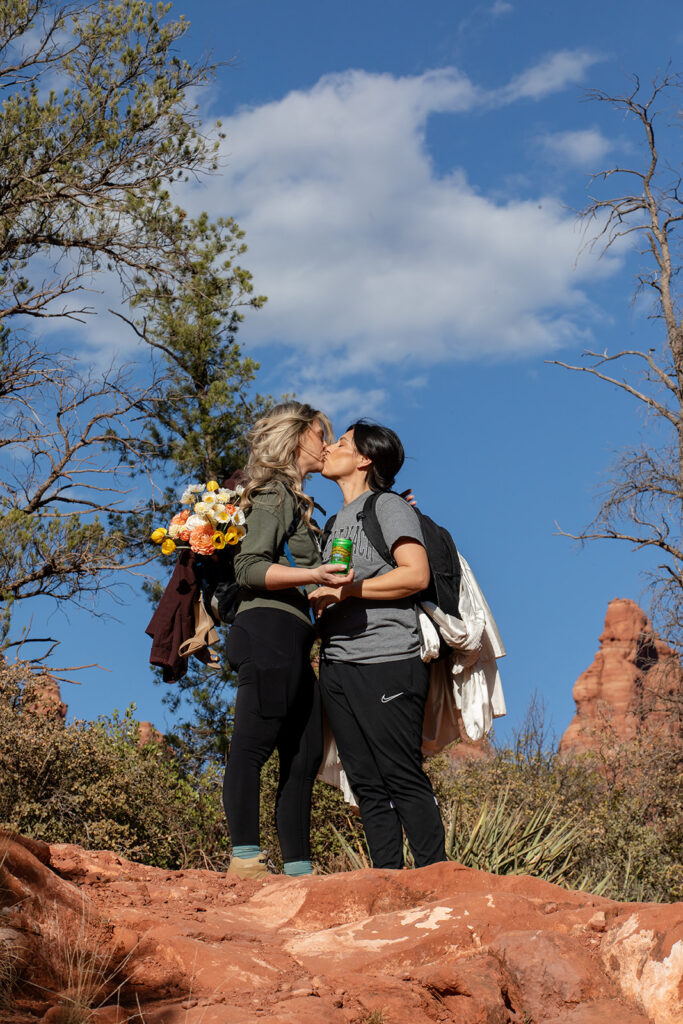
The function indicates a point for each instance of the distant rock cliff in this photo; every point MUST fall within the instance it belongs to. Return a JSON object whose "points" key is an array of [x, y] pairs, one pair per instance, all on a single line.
{"points": [[635, 681]]}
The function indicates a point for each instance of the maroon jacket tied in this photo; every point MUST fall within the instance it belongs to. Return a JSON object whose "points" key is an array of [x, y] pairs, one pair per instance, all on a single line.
{"points": [[173, 621]]}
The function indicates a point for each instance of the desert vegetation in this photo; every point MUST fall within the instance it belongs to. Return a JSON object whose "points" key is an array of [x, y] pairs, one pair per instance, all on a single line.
{"points": [[610, 823]]}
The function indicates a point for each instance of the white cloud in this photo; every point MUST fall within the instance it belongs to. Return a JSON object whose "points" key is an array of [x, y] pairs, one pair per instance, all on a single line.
{"points": [[583, 148], [352, 402], [501, 7], [368, 257], [372, 260], [553, 73]]}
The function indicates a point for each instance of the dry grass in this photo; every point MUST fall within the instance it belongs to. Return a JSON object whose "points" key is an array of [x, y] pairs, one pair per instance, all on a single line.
{"points": [[88, 974]]}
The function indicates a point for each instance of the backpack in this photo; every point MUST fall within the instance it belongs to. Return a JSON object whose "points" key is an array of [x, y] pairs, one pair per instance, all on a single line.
{"points": [[216, 577], [443, 589]]}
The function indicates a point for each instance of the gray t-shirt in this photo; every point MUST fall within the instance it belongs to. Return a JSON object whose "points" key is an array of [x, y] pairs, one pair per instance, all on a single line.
{"points": [[363, 631]]}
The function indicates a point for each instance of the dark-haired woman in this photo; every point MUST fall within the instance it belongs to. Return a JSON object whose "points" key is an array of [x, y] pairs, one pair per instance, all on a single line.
{"points": [[373, 682]]}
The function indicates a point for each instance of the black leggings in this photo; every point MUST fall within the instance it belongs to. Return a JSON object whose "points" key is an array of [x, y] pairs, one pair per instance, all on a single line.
{"points": [[277, 705]]}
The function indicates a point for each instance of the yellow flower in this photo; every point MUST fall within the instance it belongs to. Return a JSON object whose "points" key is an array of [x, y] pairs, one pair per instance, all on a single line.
{"points": [[218, 540], [232, 535], [212, 485], [168, 547], [159, 535]]}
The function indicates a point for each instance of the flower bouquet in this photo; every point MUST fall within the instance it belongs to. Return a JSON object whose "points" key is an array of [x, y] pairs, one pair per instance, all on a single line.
{"points": [[212, 521]]}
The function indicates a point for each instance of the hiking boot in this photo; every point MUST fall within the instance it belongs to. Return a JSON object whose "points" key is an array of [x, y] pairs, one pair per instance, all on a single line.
{"points": [[249, 867]]}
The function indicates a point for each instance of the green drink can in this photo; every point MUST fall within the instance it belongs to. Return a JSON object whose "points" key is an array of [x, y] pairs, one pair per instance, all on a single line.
{"points": [[341, 552]]}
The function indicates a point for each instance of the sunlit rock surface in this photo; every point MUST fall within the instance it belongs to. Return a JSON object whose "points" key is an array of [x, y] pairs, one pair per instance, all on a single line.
{"points": [[443, 943]]}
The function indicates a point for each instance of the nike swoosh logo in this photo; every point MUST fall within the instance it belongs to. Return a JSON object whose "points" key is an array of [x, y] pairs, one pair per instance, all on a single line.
{"points": [[385, 700]]}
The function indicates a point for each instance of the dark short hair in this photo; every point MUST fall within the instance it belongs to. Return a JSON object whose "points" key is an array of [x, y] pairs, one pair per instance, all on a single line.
{"points": [[384, 449]]}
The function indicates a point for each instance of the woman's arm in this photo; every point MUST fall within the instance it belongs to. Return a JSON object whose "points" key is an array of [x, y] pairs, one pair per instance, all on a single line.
{"points": [[255, 565], [282, 577], [409, 577]]}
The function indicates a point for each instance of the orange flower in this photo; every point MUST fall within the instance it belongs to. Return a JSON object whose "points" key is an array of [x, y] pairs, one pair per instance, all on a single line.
{"points": [[230, 509], [184, 535], [205, 527], [180, 518], [201, 541], [202, 545]]}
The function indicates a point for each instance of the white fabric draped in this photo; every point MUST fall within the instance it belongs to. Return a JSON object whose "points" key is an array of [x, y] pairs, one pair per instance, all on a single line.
{"points": [[464, 684]]}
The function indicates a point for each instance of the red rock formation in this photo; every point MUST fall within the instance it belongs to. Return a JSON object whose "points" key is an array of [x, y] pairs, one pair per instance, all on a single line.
{"points": [[41, 694], [635, 681], [443, 943], [148, 733]]}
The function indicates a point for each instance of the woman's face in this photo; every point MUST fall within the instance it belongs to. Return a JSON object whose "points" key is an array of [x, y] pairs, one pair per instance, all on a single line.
{"points": [[311, 451], [341, 458]]}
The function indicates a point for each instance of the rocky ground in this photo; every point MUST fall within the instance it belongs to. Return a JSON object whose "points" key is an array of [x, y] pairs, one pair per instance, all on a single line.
{"points": [[443, 943]]}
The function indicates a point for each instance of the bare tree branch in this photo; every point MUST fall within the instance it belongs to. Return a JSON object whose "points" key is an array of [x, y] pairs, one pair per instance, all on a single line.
{"points": [[643, 502]]}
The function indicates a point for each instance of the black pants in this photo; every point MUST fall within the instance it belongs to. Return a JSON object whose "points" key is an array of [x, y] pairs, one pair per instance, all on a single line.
{"points": [[376, 713], [277, 705]]}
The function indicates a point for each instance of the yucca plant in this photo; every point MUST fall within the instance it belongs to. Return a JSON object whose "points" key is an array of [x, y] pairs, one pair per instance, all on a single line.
{"points": [[504, 841], [358, 857]]}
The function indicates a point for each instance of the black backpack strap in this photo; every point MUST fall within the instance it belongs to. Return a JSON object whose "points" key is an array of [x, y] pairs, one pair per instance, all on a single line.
{"points": [[325, 535], [367, 517]]}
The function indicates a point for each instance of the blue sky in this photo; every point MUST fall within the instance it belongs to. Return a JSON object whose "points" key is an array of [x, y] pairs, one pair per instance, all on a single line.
{"points": [[407, 177]]}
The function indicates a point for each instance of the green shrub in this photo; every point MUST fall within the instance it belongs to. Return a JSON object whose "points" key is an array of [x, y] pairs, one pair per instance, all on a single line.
{"points": [[624, 806], [610, 822], [91, 783]]}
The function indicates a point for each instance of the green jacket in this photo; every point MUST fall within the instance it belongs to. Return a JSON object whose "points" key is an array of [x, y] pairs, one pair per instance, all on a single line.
{"points": [[268, 519]]}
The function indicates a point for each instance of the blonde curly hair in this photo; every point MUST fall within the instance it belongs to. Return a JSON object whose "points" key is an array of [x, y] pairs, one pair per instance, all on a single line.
{"points": [[275, 441]]}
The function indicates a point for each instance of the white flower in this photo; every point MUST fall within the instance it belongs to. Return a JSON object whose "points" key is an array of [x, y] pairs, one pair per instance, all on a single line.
{"points": [[238, 517], [209, 498], [194, 521], [239, 488], [241, 532], [196, 488], [174, 530], [201, 507], [187, 497], [223, 496], [220, 515]]}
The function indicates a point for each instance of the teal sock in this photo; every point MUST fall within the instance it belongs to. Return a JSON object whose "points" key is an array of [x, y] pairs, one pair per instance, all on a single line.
{"points": [[298, 867], [243, 852]]}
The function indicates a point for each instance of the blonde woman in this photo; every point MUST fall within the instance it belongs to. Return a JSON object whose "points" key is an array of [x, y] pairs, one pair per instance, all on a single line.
{"points": [[269, 643]]}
